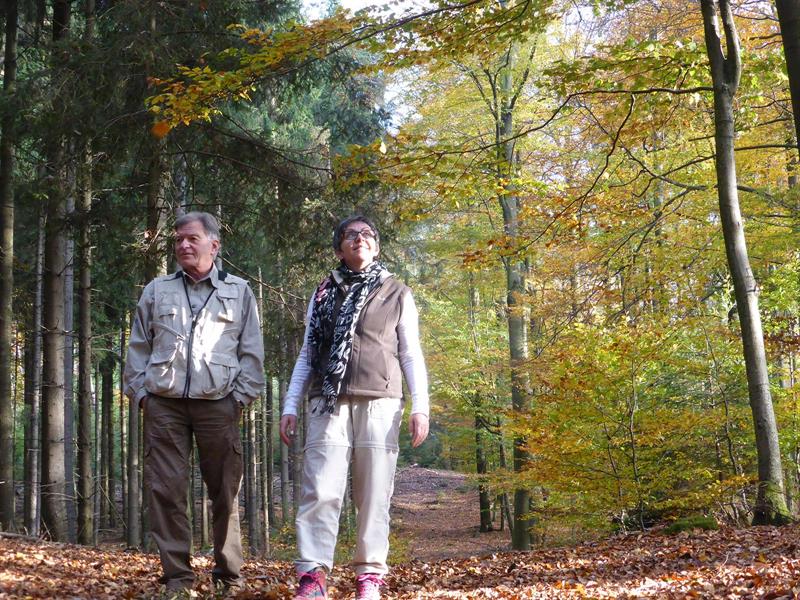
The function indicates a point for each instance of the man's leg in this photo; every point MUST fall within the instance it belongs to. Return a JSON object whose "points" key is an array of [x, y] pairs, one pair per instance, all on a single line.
{"points": [[166, 471], [326, 459], [376, 425], [216, 429]]}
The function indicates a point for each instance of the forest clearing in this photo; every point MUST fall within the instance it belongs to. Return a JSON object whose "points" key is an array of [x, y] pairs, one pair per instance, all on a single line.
{"points": [[759, 563]]}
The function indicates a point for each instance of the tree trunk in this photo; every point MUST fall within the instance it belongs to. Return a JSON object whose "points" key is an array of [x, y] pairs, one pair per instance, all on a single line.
{"points": [[267, 456], [481, 464], [53, 477], [123, 427], [516, 271], [54, 513], [266, 449], [107, 439], [253, 521], [725, 72], [156, 256], [789, 18], [481, 467], [133, 522], [85, 484], [69, 349], [7, 521], [33, 451]]}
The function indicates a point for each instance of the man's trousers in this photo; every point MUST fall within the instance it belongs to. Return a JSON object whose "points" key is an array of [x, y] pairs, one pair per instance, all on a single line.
{"points": [[169, 426]]}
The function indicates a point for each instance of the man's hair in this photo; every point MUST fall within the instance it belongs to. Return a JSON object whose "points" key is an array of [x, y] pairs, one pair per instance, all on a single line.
{"points": [[207, 220], [338, 233]]}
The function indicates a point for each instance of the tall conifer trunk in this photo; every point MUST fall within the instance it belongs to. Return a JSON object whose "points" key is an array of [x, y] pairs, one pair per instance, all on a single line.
{"points": [[69, 346], [725, 73], [7, 274], [53, 476], [33, 441], [85, 484], [85, 524]]}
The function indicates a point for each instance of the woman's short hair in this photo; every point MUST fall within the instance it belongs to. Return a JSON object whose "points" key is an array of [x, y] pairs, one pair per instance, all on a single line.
{"points": [[338, 233], [207, 220]]}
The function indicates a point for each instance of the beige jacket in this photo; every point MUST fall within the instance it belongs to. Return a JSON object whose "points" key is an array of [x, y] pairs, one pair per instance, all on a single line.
{"points": [[226, 346]]}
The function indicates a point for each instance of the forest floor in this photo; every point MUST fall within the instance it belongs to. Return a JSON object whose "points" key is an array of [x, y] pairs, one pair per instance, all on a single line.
{"points": [[434, 519]]}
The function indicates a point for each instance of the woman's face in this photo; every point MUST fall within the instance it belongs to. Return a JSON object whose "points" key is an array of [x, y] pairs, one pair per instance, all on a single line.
{"points": [[359, 248]]}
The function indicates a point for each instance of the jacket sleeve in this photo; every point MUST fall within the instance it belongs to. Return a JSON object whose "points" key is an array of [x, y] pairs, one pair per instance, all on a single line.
{"points": [[140, 346], [250, 382]]}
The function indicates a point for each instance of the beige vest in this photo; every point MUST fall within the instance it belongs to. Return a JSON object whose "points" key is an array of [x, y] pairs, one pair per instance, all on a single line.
{"points": [[373, 369]]}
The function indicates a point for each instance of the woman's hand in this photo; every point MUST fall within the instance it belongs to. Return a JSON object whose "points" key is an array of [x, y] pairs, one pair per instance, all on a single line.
{"points": [[288, 426], [418, 425]]}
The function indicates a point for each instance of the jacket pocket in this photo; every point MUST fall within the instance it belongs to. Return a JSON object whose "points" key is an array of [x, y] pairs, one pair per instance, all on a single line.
{"points": [[166, 324], [222, 370], [160, 375], [229, 304]]}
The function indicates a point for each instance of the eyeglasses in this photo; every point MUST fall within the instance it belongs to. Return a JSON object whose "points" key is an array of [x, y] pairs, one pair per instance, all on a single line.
{"points": [[351, 234]]}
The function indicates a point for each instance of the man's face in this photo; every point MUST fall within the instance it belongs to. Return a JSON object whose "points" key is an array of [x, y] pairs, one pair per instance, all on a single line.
{"points": [[359, 246], [194, 250]]}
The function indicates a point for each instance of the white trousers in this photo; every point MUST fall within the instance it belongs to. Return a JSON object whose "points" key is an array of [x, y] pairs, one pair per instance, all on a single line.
{"points": [[366, 430]]}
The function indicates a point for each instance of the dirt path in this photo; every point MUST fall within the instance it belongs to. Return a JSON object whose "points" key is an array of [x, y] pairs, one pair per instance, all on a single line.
{"points": [[436, 513]]}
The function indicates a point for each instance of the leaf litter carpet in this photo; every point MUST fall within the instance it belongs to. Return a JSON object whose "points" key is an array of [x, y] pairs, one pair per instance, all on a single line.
{"points": [[452, 561]]}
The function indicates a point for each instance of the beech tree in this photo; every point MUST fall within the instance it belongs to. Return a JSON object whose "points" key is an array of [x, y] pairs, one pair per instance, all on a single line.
{"points": [[726, 70]]}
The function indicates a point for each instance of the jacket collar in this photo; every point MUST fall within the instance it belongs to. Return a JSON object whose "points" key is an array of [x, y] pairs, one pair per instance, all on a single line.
{"points": [[215, 276]]}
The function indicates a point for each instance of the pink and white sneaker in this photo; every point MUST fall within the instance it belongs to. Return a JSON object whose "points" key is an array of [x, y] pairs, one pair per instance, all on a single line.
{"points": [[311, 586], [368, 586]]}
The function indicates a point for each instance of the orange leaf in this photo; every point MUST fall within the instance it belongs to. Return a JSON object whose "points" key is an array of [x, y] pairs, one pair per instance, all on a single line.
{"points": [[160, 129]]}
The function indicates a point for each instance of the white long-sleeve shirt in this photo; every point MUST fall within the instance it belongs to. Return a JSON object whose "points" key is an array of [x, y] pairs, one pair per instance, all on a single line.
{"points": [[409, 353]]}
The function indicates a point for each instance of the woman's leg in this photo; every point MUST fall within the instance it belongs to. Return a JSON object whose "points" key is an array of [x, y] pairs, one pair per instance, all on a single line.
{"points": [[326, 459], [376, 424]]}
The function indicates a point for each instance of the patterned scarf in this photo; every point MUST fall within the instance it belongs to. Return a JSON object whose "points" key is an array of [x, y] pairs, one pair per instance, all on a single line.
{"points": [[338, 336]]}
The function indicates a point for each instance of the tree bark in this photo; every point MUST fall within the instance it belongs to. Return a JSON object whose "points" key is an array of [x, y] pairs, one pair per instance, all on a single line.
{"points": [[107, 440], [156, 256], [133, 522], [516, 272], [770, 505], [482, 468], [789, 19], [267, 457], [123, 426], [253, 521], [33, 451], [481, 463], [266, 449], [7, 521], [85, 484], [69, 349], [53, 477]]}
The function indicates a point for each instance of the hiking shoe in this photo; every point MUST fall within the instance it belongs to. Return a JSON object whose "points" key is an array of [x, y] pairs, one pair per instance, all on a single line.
{"points": [[311, 586], [368, 586], [228, 588]]}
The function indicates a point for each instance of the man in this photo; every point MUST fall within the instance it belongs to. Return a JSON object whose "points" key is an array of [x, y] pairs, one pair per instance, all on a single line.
{"points": [[195, 358]]}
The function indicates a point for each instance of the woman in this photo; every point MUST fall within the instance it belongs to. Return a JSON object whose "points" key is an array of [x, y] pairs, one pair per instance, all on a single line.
{"points": [[362, 331]]}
